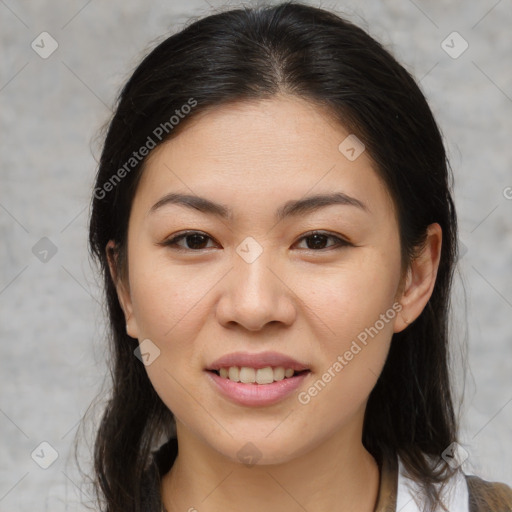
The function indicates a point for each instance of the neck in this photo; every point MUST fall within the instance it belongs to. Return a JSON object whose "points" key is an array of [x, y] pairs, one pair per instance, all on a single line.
{"points": [[339, 474]]}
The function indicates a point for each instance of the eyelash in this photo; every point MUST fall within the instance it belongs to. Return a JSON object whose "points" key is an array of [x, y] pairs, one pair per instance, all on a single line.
{"points": [[172, 242]]}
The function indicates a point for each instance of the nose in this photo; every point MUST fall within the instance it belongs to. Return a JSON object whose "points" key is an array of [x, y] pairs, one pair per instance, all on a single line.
{"points": [[255, 294]]}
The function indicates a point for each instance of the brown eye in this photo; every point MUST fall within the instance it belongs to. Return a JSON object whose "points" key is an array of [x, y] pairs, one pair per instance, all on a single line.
{"points": [[197, 241], [317, 241], [194, 241]]}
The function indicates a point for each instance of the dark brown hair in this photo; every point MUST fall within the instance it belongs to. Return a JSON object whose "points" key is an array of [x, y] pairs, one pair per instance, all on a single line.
{"points": [[251, 54]]}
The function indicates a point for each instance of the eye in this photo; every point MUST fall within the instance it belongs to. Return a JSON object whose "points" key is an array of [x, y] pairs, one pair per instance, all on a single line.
{"points": [[317, 240], [195, 240]]}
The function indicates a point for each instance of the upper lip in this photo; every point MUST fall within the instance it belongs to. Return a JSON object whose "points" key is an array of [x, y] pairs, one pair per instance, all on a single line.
{"points": [[258, 360]]}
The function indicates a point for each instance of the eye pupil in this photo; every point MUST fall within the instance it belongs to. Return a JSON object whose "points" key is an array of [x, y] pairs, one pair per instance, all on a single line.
{"points": [[319, 241], [197, 239]]}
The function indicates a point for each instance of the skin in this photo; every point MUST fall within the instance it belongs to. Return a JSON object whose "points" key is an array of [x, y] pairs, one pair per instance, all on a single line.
{"points": [[306, 302]]}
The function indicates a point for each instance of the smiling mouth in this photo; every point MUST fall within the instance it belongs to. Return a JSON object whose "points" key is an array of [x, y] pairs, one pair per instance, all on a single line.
{"points": [[260, 376]]}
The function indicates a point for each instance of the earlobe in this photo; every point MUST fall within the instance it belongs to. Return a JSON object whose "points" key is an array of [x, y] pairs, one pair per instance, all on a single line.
{"points": [[420, 279], [122, 288]]}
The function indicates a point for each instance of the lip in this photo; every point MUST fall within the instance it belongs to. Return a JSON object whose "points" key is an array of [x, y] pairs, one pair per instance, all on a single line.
{"points": [[256, 395], [258, 360]]}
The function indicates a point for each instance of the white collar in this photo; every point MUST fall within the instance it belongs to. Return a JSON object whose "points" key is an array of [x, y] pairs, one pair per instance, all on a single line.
{"points": [[455, 495]]}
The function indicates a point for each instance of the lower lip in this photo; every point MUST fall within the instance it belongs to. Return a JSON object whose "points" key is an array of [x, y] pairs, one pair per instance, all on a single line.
{"points": [[257, 394]]}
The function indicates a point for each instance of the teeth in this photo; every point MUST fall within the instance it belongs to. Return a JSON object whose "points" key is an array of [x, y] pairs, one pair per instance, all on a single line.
{"points": [[248, 375], [265, 375], [233, 373], [279, 373]]}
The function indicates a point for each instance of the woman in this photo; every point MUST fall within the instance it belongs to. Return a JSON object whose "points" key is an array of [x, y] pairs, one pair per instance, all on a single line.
{"points": [[273, 220]]}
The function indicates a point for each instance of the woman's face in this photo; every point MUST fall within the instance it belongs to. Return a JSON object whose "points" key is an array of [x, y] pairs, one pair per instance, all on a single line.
{"points": [[255, 279]]}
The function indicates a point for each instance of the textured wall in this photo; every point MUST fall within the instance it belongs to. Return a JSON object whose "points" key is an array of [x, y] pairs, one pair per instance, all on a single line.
{"points": [[52, 351]]}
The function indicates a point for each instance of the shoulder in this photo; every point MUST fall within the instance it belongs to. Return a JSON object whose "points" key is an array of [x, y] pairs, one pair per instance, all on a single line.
{"points": [[460, 493], [488, 496]]}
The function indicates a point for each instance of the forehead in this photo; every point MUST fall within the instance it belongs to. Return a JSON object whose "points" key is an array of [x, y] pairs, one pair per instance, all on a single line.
{"points": [[284, 146]]}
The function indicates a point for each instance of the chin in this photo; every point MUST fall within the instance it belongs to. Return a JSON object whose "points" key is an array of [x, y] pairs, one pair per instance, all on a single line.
{"points": [[258, 450]]}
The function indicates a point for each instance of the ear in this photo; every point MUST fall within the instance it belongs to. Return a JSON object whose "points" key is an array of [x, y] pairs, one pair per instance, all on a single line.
{"points": [[122, 287], [420, 279]]}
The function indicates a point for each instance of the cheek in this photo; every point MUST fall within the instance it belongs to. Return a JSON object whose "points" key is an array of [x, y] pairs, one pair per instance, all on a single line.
{"points": [[355, 326], [166, 298], [169, 305], [351, 296], [354, 310]]}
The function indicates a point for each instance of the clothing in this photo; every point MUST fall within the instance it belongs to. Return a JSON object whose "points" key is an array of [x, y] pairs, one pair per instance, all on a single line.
{"points": [[397, 492], [463, 493], [456, 495]]}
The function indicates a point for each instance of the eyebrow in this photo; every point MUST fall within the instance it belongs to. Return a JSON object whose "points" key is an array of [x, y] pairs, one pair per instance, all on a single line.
{"points": [[291, 208]]}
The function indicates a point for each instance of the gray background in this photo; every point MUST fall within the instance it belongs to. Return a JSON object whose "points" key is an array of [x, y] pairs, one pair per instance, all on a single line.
{"points": [[52, 347]]}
